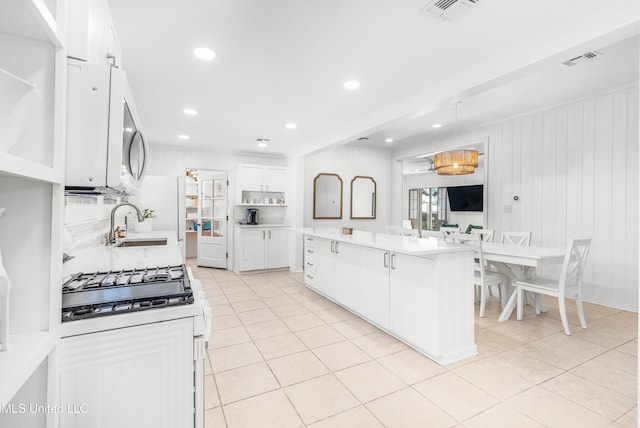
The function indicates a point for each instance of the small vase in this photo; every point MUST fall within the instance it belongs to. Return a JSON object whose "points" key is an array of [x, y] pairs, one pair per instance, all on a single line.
{"points": [[145, 226]]}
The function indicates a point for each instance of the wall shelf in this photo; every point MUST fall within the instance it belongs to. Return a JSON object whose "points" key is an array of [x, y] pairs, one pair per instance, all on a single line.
{"points": [[7, 76], [31, 19], [17, 166], [26, 352]]}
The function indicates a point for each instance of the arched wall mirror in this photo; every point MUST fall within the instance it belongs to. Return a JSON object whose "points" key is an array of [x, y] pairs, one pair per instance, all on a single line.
{"points": [[327, 196], [363, 197]]}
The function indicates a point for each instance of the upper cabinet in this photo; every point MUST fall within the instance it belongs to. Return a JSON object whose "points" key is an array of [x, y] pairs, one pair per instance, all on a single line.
{"points": [[92, 36], [255, 178]]}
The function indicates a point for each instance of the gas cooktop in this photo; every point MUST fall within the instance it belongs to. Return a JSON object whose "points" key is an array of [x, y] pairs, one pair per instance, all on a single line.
{"points": [[89, 295]]}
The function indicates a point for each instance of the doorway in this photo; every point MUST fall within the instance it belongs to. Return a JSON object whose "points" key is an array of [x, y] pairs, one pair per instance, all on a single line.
{"points": [[206, 219]]}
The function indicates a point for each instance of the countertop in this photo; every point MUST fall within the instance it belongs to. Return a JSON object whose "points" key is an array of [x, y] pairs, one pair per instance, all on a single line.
{"points": [[413, 246], [263, 226], [106, 258]]}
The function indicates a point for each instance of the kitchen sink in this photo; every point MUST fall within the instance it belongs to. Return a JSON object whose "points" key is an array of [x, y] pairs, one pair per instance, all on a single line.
{"points": [[142, 242]]}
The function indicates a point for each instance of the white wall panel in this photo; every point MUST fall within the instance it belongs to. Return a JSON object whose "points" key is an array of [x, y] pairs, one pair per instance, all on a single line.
{"points": [[575, 171], [576, 176]]}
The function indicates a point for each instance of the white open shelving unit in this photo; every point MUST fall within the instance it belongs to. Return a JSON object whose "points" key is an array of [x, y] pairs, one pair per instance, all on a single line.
{"points": [[32, 133]]}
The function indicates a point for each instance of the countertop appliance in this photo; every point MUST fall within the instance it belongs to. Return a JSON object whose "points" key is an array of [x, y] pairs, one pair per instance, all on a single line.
{"points": [[106, 148], [88, 295], [252, 216]]}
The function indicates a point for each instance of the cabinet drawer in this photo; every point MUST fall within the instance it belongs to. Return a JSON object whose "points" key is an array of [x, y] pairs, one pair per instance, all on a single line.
{"points": [[310, 278], [310, 243], [310, 264]]}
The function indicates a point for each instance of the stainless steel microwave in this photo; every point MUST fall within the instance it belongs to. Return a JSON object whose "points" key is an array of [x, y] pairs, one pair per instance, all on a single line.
{"points": [[106, 149]]}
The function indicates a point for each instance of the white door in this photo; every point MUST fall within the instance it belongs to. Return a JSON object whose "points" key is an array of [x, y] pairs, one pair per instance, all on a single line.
{"points": [[346, 274], [275, 180], [252, 179], [212, 219], [373, 284], [278, 243], [131, 377], [253, 247]]}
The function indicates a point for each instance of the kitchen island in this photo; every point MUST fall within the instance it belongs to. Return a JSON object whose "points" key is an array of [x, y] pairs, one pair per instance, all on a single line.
{"points": [[418, 290]]}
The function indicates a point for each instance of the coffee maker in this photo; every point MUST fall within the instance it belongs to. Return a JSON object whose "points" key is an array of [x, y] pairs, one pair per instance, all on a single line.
{"points": [[252, 216]]}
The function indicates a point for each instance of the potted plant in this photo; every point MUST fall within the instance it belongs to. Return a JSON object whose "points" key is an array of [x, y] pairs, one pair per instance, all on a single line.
{"points": [[147, 224]]}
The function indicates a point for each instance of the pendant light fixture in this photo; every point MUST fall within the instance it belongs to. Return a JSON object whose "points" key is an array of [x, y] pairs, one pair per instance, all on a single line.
{"points": [[456, 162]]}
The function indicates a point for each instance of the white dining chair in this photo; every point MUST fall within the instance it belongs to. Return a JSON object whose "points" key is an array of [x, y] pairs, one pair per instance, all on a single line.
{"points": [[448, 230], [486, 235], [516, 238], [483, 277], [569, 283]]}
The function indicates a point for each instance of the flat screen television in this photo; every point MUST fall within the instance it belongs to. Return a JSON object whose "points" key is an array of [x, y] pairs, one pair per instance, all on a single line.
{"points": [[465, 198]]}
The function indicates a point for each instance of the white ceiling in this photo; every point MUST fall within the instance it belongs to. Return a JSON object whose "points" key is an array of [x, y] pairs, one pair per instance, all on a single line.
{"points": [[283, 61]]}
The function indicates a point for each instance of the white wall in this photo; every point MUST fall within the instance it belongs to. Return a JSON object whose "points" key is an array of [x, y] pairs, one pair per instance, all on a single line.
{"points": [[575, 171], [349, 161]]}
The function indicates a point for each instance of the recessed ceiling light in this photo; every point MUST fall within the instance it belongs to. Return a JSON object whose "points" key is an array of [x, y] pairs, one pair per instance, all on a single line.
{"points": [[190, 112], [436, 125], [291, 126], [262, 144], [183, 137], [128, 129], [389, 140], [351, 84], [204, 53]]}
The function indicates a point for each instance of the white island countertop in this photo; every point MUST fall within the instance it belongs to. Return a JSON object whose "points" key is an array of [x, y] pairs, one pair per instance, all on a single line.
{"points": [[413, 246]]}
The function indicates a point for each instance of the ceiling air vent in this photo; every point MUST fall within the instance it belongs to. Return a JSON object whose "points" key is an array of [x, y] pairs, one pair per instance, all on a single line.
{"points": [[447, 9], [582, 58]]}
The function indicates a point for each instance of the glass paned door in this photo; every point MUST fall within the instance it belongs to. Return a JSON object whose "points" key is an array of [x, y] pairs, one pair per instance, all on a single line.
{"points": [[212, 218]]}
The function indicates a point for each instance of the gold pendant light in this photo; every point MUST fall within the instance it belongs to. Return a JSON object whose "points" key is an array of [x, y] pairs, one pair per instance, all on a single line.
{"points": [[456, 162]]}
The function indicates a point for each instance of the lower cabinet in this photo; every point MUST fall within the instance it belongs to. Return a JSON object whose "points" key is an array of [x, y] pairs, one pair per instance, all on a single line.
{"points": [[140, 376], [427, 301], [261, 248], [413, 305], [373, 286]]}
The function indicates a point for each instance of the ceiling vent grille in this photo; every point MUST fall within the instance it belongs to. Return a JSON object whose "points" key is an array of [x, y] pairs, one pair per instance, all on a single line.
{"points": [[582, 58], [447, 9]]}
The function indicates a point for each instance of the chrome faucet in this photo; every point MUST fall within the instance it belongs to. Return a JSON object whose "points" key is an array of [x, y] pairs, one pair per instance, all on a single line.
{"points": [[112, 234]]}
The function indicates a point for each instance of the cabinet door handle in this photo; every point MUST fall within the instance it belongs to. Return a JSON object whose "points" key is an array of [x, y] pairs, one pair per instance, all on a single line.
{"points": [[337, 247], [393, 261], [386, 259], [269, 234], [309, 264], [310, 251], [332, 243], [263, 234]]}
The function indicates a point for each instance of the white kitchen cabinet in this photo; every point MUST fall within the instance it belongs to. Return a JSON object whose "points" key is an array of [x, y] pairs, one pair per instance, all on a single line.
{"points": [[413, 304], [345, 274], [336, 271], [255, 178], [32, 153], [147, 380], [261, 247], [373, 286], [92, 36], [425, 299]]}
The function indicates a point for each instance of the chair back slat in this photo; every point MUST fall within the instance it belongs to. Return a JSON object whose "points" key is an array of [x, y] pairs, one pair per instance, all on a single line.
{"points": [[472, 239], [486, 235], [574, 262], [516, 238]]}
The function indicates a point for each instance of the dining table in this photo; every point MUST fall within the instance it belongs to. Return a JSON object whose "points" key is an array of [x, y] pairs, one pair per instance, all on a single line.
{"points": [[519, 262]]}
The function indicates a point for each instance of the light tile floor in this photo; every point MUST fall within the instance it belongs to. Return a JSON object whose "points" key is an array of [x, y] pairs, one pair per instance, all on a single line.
{"points": [[282, 356]]}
